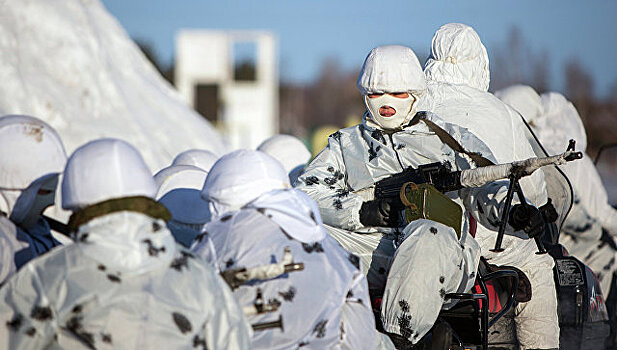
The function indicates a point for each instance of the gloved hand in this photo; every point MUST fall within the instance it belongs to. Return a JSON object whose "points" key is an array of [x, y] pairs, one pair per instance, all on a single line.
{"points": [[527, 218], [381, 212], [549, 212]]}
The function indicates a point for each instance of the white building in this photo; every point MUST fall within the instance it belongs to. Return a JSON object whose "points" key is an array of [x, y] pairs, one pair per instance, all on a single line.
{"points": [[241, 100]]}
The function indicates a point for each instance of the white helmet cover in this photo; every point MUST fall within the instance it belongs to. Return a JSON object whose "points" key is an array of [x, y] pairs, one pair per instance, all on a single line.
{"points": [[288, 150], [196, 157], [240, 177], [30, 152], [458, 57], [180, 192], [390, 69], [523, 99], [105, 169]]}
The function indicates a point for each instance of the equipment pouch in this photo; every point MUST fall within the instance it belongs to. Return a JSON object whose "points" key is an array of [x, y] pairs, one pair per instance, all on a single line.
{"points": [[424, 201]]}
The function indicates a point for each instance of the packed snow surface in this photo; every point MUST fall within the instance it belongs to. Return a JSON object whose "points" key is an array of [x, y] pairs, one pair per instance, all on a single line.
{"points": [[70, 63]]}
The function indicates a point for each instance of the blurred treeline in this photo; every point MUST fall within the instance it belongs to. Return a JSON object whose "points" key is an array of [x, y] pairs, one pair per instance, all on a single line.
{"points": [[332, 98]]}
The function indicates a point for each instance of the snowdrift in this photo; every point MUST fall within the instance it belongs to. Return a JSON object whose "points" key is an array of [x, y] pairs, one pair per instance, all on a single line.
{"points": [[70, 63]]}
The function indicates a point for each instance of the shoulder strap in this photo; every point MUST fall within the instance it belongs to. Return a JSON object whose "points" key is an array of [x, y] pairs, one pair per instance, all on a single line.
{"points": [[450, 141]]}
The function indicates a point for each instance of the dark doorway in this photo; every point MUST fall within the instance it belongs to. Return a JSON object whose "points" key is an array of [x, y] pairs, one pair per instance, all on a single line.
{"points": [[207, 101]]}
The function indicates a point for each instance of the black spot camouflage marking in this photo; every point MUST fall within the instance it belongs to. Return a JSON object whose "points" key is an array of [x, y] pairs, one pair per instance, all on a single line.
{"points": [[225, 218], [181, 261], [31, 332], [152, 250], [433, 230], [584, 228], [102, 267], [15, 323], [75, 327], [83, 238], [197, 341], [462, 247], [331, 187], [354, 260], [330, 169], [442, 279], [609, 265], [338, 205], [591, 253], [229, 263], [274, 302], [342, 193], [77, 309], [404, 320], [289, 294], [183, 323], [311, 180], [320, 329], [600, 276], [400, 146], [41, 313], [114, 278], [156, 227], [404, 305], [330, 180], [442, 293], [315, 247], [460, 265], [472, 275], [372, 152], [378, 135], [302, 344], [106, 338], [342, 330], [56, 336], [336, 136], [349, 294]]}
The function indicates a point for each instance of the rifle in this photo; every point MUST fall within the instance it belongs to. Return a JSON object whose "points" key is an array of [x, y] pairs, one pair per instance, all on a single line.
{"points": [[440, 177], [240, 276]]}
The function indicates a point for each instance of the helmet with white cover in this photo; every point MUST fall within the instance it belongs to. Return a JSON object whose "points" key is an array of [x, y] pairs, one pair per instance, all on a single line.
{"points": [[289, 151], [240, 177], [196, 157], [458, 57], [179, 190], [105, 169], [31, 158], [524, 99], [391, 69]]}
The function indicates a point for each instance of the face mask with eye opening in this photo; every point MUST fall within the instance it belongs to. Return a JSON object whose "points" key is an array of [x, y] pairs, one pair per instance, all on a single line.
{"points": [[404, 107]]}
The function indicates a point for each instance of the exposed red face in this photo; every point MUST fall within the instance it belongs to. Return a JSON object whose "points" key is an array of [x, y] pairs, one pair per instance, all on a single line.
{"points": [[387, 111]]}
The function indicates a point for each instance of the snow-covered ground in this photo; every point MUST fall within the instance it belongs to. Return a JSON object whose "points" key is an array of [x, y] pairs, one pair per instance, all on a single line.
{"points": [[71, 64]]}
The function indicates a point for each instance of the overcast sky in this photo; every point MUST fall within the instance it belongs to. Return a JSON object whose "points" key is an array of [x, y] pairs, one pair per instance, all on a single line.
{"points": [[311, 31]]}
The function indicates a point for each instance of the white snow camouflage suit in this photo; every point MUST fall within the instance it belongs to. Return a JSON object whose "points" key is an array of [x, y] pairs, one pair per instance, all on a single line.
{"points": [[458, 74]]}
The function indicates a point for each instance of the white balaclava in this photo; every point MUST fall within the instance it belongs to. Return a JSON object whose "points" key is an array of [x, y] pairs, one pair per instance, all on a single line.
{"points": [[559, 123], [240, 177], [196, 157], [180, 192], [458, 57], [523, 99], [31, 158], [289, 151], [391, 69], [105, 169]]}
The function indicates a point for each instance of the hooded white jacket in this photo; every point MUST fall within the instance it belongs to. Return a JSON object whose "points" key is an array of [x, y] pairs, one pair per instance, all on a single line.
{"points": [[31, 155], [323, 306], [459, 70], [124, 284]]}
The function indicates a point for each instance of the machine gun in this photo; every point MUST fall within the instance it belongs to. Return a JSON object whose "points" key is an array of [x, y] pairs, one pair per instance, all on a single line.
{"points": [[419, 188]]}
